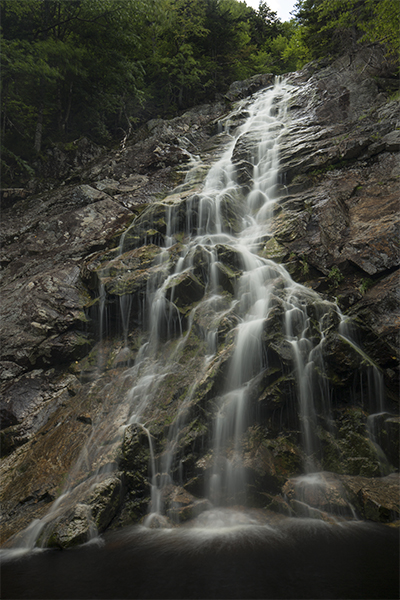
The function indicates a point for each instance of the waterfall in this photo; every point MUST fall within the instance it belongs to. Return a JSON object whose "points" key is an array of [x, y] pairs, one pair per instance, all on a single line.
{"points": [[240, 301], [261, 286]]}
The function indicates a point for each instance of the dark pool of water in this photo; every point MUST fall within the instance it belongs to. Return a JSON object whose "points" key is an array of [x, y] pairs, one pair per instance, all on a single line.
{"points": [[294, 559]]}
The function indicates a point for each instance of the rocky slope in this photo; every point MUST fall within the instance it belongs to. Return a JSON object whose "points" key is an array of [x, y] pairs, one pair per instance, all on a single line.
{"points": [[335, 228]]}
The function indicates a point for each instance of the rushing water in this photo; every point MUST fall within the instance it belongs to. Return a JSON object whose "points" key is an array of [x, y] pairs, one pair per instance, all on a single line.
{"points": [[261, 287]]}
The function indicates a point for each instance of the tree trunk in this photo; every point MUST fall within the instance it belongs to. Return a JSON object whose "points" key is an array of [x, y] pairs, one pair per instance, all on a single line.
{"points": [[68, 110], [39, 130]]}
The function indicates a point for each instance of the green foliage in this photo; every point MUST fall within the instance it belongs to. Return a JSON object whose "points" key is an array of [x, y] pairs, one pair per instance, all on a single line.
{"points": [[296, 53], [13, 166], [335, 276], [94, 68], [304, 265], [366, 284], [68, 69], [331, 27], [384, 26]]}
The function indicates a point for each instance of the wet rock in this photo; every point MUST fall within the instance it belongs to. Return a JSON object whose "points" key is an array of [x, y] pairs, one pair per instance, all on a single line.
{"points": [[130, 272], [309, 495], [375, 499], [150, 227], [53, 439], [182, 506], [278, 504], [73, 530], [84, 419], [274, 251], [243, 159], [341, 358], [105, 501], [230, 257], [226, 277], [268, 462], [329, 214], [134, 463], [10, 439], [241, 89], [385, 431], [156, 521], [351, 452], [184, 289], [88, 517], [378, 307], [208, 319], [30, 401], [42, 307]]}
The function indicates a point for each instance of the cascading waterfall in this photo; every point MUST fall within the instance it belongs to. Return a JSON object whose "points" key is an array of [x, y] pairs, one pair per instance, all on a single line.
{"points": [[256, 292], [262, 292], [266, 122]]}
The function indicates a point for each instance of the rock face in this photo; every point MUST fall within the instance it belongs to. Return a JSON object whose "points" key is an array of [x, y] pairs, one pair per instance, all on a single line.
{"points": [[337, 170], [81, 262]]}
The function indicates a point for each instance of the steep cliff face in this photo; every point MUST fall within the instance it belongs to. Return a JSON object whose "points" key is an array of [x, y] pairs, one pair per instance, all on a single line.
{"points": [[74, 319], [339, 218]]}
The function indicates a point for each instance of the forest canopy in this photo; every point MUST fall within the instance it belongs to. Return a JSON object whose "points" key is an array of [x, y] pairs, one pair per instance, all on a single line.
{"points": [[99, 68]]}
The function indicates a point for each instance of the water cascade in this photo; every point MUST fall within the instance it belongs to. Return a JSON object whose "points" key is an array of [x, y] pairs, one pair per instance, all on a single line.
{"points": [[225, 334]]}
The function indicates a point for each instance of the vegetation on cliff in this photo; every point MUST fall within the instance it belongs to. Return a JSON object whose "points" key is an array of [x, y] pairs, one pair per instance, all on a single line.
{"points": [[98, 68]]}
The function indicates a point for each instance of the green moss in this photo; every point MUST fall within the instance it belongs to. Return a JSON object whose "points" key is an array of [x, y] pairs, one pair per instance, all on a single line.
{"points": [[274, 251], [365, 285], [351, 452], [90, 360], [71, 146], [304, 265], [335, 276]]}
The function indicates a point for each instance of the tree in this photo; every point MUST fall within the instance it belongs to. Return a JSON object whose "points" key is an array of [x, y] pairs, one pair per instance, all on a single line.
{"points": [[338, 26], [68, 69], [94, 67], [384, 25]]}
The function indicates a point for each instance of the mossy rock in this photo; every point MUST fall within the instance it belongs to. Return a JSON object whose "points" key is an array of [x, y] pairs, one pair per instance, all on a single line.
{"points": [[342, 360], [232, 213], [273, 250], [105, 501], [184, 289], [130, 272], [230, 257], [289, 226], [385, 428], [286, 455], [216, 316], [376, 498], [135, 451], [133, 510], [72, 529], [149, 227], [351, 452], [277, 401]]}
